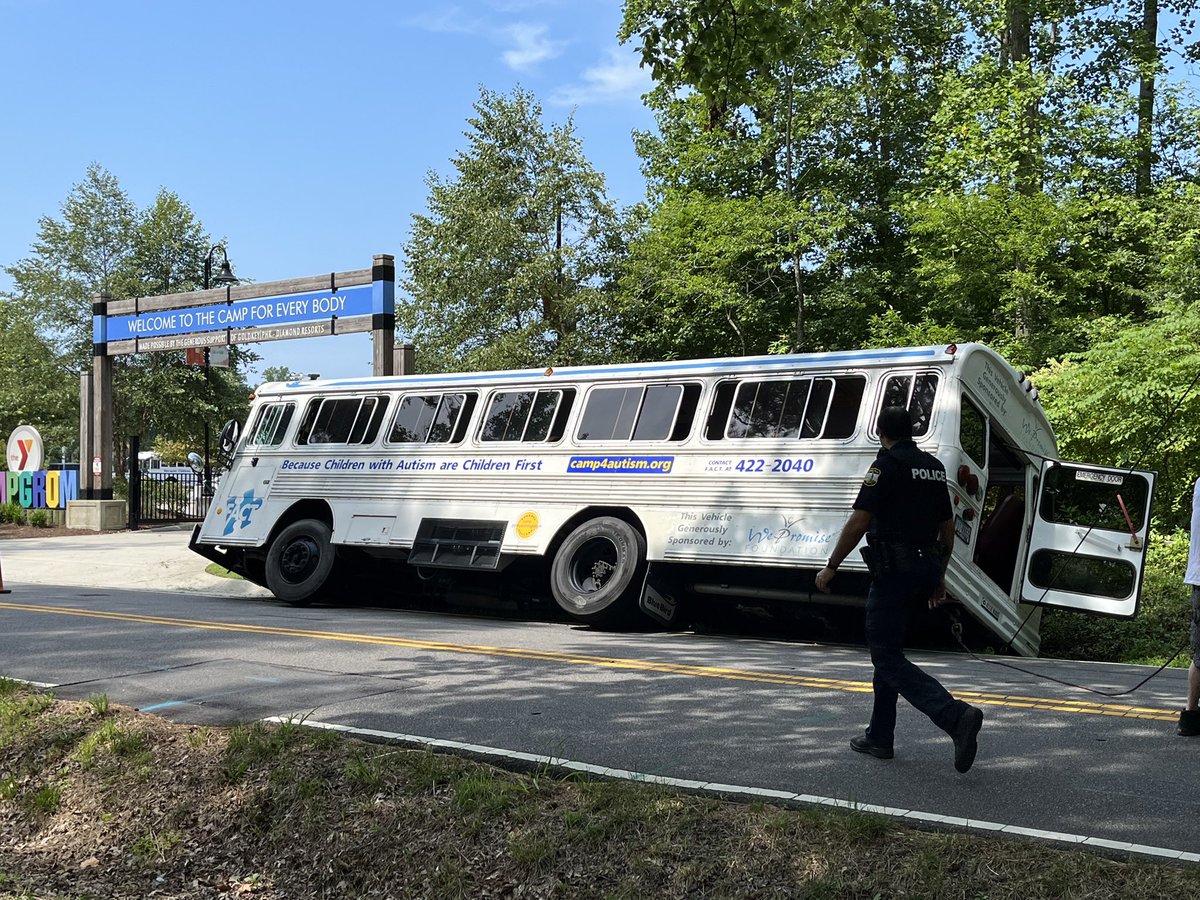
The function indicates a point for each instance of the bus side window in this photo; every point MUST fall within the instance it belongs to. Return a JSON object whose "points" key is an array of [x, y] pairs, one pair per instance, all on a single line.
{"points": [[659, 406], [464, 417], [432, 418], [973, 433], [372, 430], [648, 413], [808, 408], [687, 412], [306, 423], [342, 421], [526, 415], [844, 406], [817, 408], [718, 415], [414, 416], [559, 428], [541, 416], [769, 408], [448, 410], [915, 393], [271, 425]]}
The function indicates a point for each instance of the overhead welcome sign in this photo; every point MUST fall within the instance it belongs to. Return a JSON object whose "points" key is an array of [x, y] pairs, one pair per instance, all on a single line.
{"points": [[313, 306], [260, 312], [320, 305], [26, 483]]}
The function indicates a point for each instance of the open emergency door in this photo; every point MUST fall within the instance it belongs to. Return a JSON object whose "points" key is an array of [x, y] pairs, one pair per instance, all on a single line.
{"points": [[1088, 544]]}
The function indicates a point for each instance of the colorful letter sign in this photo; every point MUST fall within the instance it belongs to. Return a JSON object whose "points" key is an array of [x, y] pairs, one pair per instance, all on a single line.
{"points": [[26, 484]]}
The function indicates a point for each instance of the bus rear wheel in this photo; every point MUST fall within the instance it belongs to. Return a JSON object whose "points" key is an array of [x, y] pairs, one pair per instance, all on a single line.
{"points": [[595, 573], [300, 561]]}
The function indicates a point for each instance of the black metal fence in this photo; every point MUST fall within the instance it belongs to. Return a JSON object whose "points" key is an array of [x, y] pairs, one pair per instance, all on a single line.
{"points": [[164, 496]]}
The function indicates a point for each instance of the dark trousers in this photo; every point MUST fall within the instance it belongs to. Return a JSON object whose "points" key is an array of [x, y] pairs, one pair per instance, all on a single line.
{"points": [[889, 606]]}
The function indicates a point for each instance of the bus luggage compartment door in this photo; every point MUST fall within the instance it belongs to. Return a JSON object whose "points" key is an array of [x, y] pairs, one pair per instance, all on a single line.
{"points": [[1087, 549]]}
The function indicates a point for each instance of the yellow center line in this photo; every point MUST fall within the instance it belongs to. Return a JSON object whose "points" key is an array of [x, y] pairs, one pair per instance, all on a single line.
{"points": [[1013, 701]]}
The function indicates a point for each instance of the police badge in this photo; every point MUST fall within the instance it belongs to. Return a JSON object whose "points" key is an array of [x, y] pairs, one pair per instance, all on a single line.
{"points": [[872, 478]]}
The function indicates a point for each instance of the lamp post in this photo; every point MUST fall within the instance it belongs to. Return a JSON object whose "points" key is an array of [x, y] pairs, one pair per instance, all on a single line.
{"points": [[224, 277]]}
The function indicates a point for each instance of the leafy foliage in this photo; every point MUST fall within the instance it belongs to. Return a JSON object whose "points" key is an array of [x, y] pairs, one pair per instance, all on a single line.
{"points": [[103, 245], [513, 253], [280, 373], [37, 385], [707, 277], [1133, 399]]}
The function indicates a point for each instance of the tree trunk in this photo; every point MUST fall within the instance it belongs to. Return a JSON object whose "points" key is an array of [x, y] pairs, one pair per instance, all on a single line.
{"points": [[797, 274], [1146, 44], [1015, 52]]}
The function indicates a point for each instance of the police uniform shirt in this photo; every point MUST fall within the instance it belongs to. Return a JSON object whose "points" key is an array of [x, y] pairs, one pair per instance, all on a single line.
{"points": [[905, 491]]}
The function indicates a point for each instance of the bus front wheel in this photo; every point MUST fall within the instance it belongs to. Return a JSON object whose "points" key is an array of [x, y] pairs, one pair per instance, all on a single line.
{"points": [[299, 561], [594, 576]]}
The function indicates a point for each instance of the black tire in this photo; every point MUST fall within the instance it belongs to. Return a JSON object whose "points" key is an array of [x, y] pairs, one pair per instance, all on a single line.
{"points": [[597, 572], [300, 561]]}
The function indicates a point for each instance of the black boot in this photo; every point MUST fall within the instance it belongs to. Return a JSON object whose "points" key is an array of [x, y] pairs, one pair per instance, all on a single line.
{"points": [[966, 737], [1189, 722]]}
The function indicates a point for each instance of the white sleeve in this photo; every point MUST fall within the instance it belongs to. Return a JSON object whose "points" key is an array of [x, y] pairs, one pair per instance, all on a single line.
{"points": [[1193, 565]]}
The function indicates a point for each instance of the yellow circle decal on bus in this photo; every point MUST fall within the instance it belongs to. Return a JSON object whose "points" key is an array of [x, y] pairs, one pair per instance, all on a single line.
{"points": [[527, 524]]}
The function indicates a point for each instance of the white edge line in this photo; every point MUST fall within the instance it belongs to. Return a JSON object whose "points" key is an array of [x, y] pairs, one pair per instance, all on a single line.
{"points": [[36, 684], [913, 815]]}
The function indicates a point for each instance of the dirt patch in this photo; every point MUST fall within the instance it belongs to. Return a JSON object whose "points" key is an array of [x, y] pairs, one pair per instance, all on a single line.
{"points": [[9, 531]]}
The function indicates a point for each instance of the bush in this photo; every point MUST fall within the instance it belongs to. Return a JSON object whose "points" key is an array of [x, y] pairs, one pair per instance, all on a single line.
{"points": [[39, 518], [12, 511], [1159, 629], [172, 453]]}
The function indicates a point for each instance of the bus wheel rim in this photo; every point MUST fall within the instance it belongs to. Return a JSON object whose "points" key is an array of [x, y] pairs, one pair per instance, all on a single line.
{"points": [[594, 565], [299, 560]]}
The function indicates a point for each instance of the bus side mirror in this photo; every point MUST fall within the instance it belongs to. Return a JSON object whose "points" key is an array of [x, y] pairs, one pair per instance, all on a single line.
{"points": [[230, 432], [196, 462]]}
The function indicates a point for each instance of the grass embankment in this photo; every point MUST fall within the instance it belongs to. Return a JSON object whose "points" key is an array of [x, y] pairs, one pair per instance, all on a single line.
{"points": [[221, 572], [98, 801]]}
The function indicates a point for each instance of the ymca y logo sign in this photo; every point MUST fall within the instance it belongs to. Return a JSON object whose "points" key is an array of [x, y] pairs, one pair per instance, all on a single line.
{"points": [[24, 449]]}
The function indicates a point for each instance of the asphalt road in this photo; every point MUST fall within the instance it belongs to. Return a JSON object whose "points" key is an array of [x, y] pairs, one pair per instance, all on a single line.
{"points": [[708, 710]]}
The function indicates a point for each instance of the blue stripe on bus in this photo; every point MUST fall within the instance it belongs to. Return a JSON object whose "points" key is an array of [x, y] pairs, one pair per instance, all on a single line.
{"points": [[757, 362]]}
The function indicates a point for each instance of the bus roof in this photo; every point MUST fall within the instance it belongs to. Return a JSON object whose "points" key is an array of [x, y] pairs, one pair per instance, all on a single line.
{"points": [[870, 358]]}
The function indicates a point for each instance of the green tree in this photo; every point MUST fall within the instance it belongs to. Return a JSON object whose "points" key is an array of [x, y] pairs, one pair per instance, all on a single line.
{"points": [[515, 249], [824, 105], [36, 387], [1024, 152], [280, 373], [1132, 398], [102, 244], [710, 276], [75, 258]]}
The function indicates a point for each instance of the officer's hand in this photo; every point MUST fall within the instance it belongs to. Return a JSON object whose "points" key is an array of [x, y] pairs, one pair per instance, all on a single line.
{"points": [[938, 597], [823, 578]]}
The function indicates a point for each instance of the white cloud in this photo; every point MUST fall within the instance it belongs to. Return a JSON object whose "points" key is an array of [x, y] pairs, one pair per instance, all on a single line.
{"points": [[530, 46], [619, 77], [451, 20], [520, 6]]}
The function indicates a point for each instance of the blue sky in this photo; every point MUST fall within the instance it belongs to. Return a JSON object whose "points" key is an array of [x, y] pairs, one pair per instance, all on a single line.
{"points": [[300, 132]]}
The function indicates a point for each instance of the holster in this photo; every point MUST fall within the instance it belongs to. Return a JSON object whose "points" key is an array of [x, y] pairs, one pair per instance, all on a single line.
{"points": [[894, 559]]}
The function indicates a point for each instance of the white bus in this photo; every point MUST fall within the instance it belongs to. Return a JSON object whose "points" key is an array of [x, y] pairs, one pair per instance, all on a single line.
{"points": [[633, 488]]}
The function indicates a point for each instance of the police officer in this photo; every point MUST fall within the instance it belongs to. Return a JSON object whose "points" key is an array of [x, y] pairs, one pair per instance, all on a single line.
{"points": [[904, 509]]}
